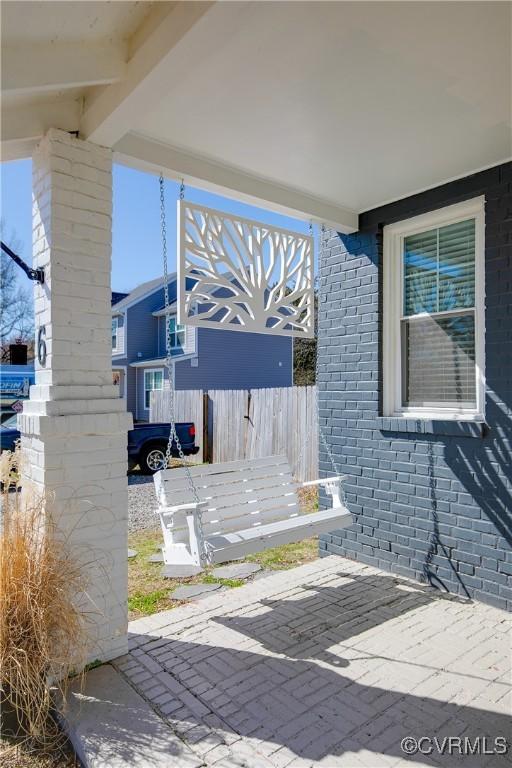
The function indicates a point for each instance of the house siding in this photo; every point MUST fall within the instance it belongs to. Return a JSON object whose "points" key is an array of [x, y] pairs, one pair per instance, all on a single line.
{"points": [[431, 500], [236, 360], [142, 333], [142, 343], [225, 359]]}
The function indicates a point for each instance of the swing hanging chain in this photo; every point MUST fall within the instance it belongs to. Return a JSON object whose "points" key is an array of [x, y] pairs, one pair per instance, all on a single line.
{"points": [[320, 430], [317, 369], [173, 434]]}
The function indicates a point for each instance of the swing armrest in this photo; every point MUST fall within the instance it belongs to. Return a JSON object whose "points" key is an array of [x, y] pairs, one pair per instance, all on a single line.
{"points": [[324, 480], [193, 506]]}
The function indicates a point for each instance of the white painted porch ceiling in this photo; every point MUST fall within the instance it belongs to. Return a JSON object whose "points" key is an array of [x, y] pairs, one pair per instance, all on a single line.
{"points": [[346, 105]]}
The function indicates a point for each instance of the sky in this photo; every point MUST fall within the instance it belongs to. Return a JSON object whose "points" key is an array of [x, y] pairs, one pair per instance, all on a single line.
{"points": [[136, 241]]}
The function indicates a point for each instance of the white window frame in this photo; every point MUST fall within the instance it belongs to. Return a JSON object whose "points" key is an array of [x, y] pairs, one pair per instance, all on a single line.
{"points": [[116, 321], [394, 235], [124, 371], [182, 330], [151, 370]]}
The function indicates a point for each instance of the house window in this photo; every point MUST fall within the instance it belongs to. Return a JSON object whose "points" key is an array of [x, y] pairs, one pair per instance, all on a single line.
{"points": [[153, 379], [115, 323], [434, 314], [176, 333]]}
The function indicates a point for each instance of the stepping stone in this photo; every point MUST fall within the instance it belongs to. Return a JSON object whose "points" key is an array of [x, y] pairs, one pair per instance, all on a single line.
{"points": [[132, 553], [264, 574], [236, 571], [156, 558], [193, 591], [179, 571]]}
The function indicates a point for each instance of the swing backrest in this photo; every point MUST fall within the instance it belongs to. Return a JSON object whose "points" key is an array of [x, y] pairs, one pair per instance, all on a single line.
{"points": [[237, 494]]}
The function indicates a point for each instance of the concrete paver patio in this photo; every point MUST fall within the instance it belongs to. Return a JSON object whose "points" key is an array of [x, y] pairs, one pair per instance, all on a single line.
{"points": [[331, 664]]}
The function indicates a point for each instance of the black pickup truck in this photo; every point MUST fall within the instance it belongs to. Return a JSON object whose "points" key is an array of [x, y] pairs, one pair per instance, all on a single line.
{"points": [[147, 443]]}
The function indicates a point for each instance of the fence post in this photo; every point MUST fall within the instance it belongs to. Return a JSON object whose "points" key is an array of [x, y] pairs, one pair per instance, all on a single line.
{"points": [[247, 423], [206, 431]]}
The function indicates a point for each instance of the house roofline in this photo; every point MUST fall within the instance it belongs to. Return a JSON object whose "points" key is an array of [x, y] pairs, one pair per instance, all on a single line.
{"points": [[173, 306], [122, 309]]}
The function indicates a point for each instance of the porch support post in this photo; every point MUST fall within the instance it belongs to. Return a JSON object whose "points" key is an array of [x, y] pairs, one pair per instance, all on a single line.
{"points": [[74, 425]]}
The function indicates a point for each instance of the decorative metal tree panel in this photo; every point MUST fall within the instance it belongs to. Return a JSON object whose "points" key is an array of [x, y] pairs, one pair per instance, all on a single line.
{"points": [[243, 275]]}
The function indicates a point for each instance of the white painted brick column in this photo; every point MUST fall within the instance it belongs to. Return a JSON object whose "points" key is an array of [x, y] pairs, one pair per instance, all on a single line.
{"points": [[74, 427]]}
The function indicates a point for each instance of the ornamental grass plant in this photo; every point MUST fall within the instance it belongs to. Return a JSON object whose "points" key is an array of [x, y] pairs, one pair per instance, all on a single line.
{"points": [[43, 633]]}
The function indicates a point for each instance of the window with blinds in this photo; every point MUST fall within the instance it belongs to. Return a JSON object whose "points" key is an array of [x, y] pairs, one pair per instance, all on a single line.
{"points": [[438, 321], [433, 336]]}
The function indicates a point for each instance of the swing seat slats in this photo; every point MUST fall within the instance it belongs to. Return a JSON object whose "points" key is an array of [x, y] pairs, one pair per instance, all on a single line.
{"points": [[245, 507], [287, 531]]}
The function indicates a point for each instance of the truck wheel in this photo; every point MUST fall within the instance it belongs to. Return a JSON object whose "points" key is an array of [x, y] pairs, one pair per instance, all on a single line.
{"points": [[152, 459]]}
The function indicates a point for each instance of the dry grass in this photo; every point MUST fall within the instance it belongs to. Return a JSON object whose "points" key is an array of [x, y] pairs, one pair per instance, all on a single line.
{"points": [[60, 756], [149, 593], [42, 631]]}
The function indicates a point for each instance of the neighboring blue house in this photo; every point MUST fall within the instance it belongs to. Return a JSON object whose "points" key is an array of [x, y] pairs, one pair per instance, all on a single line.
{"points": [[204, 358]]}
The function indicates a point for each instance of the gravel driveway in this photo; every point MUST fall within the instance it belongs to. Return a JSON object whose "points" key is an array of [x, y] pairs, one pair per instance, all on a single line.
{"points": [[141, 502]]}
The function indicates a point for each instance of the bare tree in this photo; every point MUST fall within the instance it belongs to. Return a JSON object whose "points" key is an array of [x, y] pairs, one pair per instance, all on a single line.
{"points": [[16, 304]]}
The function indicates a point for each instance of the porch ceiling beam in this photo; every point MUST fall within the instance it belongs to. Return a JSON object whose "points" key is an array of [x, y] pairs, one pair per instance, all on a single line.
{"points": [[110, 110], [149, 155], [23, 125], [35, 68]]}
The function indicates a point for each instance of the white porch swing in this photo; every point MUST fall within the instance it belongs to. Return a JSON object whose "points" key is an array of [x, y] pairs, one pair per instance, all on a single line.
{"points": [[213, 513]]}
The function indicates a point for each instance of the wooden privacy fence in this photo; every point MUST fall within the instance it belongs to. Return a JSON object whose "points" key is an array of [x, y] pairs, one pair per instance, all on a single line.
{"points": [[248, 424]]}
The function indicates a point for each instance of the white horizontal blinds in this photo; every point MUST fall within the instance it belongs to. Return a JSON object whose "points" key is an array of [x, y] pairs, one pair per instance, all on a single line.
{"points": [[420, 273], [438, 361], [438, 351], [457, 266]]}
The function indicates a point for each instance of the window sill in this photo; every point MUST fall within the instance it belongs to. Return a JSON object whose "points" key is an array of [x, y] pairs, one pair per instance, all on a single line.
{"points": [[433, 426]]}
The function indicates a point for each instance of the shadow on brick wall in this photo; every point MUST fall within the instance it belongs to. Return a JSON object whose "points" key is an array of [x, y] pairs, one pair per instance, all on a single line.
{"points": [[484, 470]]}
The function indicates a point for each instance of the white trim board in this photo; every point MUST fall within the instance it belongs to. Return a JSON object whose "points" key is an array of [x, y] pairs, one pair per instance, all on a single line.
{"points": [[124, 369], [150, 155], [172, 277], [160, 361], [151, 370]]}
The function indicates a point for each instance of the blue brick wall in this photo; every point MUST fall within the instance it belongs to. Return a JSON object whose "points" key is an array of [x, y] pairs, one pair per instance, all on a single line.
{"points": [[431, 500]]}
